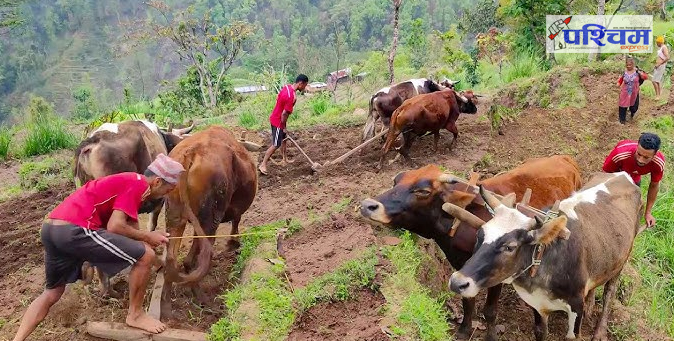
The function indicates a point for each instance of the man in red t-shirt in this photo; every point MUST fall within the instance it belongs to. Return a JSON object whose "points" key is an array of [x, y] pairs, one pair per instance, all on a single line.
{"points": [[285, 101], [637, 159], [98, 223]]}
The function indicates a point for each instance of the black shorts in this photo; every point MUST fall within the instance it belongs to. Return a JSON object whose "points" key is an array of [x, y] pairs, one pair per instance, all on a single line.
{"points": [[67, 247], [277, 136]]}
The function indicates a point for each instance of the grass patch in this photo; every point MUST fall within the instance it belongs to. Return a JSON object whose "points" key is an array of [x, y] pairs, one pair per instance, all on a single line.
{"points": [[248, 120], [250, 243], [342, 204], [569, 91], [412, 312], [45, 136], [524, 66], [653, 254], [41, 175], [499, 115], [264, 306], [340, 284], [5, 141]]}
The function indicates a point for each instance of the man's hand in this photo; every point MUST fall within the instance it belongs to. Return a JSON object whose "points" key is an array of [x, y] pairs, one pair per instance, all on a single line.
{"points": [[156, 238], [650, 220]]}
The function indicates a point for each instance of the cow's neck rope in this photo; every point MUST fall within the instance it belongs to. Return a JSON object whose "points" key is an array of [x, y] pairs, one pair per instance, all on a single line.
{"points": [[537, 254]]}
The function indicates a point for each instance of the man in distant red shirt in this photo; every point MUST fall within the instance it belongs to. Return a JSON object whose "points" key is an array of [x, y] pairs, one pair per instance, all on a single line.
{"points": [[637, 159], [98, 223], [285, 102]]}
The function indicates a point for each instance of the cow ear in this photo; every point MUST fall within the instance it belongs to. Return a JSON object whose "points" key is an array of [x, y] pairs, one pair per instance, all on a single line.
{"points": [[550, 231], [458, 198], [397, 178]]}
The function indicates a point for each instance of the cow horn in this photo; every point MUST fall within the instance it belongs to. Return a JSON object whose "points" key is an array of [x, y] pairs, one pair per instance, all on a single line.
{"points": [[463, 215], [183, 131], [462, 98], [450, 179], [489, 198]]}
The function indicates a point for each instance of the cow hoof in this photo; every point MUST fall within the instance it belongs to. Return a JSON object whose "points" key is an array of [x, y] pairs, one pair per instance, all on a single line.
{"points": [[600, 337], [463, 333]]}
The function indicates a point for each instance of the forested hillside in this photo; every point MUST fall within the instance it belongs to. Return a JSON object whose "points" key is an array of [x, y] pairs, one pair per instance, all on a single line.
{"points": [[66, 47]]}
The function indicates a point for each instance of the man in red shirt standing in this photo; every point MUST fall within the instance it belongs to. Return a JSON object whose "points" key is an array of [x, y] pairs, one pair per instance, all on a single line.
{"points": [[98, 223], [285, 101], [637, 159]]}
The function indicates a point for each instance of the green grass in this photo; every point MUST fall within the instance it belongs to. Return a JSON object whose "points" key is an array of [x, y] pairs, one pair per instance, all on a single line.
{"points": [[653, 254], [569, 91], [250, 243], [524, 66], [416, 314], [342, 205], [5, 142], [41, 175], [48, 135], [264, 306], [340, 284], [248, 120]]}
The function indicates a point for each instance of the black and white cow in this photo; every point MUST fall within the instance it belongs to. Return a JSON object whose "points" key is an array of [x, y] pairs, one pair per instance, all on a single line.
{"points": [[585, 247]]}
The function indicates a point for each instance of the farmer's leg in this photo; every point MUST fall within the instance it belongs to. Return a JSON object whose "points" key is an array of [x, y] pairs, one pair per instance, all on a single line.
{"points": [[635, 107], [37, 311], [622, 114], [138, 279], [277, 138], [60, 268]]}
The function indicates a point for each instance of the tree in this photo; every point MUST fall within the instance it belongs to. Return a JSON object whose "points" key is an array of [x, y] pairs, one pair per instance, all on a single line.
{"points": [[417, 42], [394, 46], [480, 18], [202, 43]]}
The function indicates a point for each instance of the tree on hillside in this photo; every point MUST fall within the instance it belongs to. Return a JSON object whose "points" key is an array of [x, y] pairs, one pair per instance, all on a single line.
{"points": [[394, 46], [601, 10], [209, 47]]}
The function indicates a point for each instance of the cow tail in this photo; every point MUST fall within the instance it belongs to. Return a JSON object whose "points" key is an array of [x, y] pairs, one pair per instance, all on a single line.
{"points": [[205, 247]]}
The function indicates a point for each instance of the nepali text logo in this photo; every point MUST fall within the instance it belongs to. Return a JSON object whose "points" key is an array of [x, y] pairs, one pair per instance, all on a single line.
{"points": [[599, 34]]}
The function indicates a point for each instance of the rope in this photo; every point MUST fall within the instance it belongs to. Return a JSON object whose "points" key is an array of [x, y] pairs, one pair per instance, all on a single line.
{"points": [[224, 235]]}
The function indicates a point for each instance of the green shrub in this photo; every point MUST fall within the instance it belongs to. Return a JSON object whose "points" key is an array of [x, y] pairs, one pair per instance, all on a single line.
{"points": [[5, 141]]}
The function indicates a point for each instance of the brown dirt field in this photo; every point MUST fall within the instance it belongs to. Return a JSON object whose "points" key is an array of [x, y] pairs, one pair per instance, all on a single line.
{"points": [[319, 250], [295, 192], [352, 320]]}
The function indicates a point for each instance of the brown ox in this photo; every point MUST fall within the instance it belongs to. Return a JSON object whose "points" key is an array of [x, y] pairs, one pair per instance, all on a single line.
{"points": [[428, 113], [388, 99], [219, 185], [123, 147], [416, 199]]}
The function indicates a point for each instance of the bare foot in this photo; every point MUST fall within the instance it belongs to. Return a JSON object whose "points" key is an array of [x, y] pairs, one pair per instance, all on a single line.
{"points": [[145, 322]]}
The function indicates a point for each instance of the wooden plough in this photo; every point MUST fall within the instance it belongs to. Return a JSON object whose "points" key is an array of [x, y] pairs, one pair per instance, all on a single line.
{"points": [[122, 332], [315, 166]]}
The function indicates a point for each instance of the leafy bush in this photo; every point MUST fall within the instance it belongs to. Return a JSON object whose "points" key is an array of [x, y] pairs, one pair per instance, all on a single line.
{"points": [[5, 141], [85, 105], [46, 131]]}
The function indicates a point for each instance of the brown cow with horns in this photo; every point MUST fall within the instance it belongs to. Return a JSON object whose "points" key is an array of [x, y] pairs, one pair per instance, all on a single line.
{"points": [[416, 199], [219, 185]]}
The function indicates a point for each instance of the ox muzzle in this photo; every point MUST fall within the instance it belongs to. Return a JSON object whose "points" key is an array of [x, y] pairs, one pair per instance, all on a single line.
{"points": [[375, 211]]}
